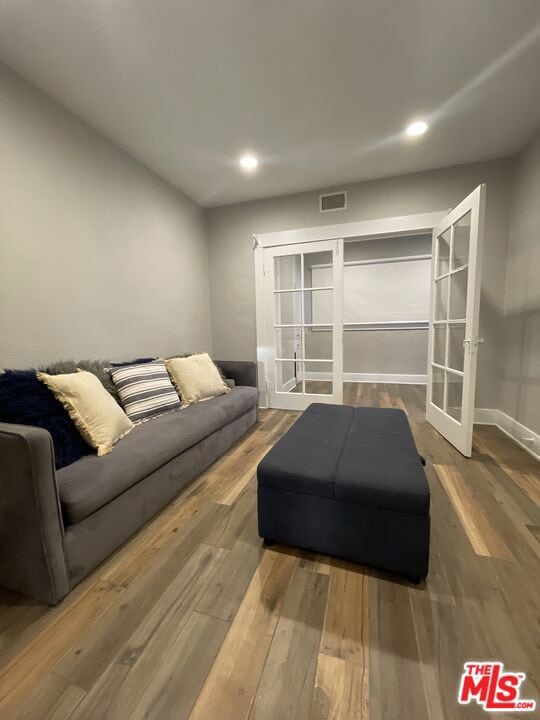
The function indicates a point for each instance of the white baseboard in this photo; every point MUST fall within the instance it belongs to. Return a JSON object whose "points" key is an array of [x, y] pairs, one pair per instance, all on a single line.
{"points": [[376, 378], [522, 435], [371, 378], [289, 385]]}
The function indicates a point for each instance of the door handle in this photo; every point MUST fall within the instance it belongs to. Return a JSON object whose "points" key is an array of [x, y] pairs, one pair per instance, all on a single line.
{"points": [[468, 341]]}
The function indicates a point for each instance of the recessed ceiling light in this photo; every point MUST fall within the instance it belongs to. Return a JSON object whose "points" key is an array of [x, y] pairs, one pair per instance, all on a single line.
{"points": [[248, 162], [416, 128]]}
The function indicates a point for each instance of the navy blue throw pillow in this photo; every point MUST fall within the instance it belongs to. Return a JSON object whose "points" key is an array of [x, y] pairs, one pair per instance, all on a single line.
{"points": [[25, 400], [139, 361]]}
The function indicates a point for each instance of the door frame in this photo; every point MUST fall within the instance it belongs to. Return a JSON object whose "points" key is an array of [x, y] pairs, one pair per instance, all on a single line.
{"points": [[299, 401], [361, 230]]}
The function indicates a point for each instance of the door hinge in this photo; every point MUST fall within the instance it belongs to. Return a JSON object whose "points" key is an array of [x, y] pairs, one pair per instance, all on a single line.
{"points": [[265, 267]]}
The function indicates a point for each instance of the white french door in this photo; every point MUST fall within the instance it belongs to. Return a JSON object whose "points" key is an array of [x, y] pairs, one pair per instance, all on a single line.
{"points": [[453, 327], [303, 325]]}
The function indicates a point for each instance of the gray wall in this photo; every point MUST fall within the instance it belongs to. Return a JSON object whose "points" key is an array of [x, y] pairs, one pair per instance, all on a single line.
{"points": [[230, 228], [98, 256], [521, 380]]}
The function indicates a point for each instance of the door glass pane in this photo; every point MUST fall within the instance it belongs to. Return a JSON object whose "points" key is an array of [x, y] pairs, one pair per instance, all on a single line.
{"points": [[460, 250], [318, 378], [318, 269], [287, 272], [439, 344], [288, 308], [288, 376], [443, 252], [437, 387], [318, 307], [456, 336], [454, 399], [318, 344], [458, 294], [441, 299], [303, 324], [289, 343]]}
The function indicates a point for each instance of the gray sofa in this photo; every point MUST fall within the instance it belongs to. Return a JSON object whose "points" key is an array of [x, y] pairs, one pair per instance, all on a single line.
{"points": [[57, 526]]}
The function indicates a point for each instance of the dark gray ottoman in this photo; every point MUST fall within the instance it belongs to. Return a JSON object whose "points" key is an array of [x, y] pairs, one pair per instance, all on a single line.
{"points": [[348, 482]]}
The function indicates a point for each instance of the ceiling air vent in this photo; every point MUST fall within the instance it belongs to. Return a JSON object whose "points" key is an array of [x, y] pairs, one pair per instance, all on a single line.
{"points": [[333, 201]]}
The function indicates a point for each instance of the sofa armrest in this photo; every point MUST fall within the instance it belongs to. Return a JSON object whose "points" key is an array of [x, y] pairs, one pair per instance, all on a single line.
{"points": [[32, 559], [243, 372]]}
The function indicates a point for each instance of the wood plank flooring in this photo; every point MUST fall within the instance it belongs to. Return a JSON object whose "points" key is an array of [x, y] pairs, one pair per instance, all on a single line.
{"points": [[194, 620]]}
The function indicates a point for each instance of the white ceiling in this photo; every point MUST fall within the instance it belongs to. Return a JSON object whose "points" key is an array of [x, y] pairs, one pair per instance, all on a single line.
{"points": [[320, 89]]}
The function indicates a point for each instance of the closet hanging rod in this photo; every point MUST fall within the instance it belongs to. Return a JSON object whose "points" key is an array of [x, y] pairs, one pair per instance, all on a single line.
{"points": [[376, 261], [385, 325]]}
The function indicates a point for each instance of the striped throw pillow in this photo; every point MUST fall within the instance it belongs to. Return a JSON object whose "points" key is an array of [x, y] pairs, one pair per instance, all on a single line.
{"points": [[145, 390]]}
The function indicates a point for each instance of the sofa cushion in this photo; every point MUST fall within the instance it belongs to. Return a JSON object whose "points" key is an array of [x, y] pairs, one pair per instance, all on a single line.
{"points": [[92, 482], [196, 378], [24, 400], [145, 390], [98, 417]]}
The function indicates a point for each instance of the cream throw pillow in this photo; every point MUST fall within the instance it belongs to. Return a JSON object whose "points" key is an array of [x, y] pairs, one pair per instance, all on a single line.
{"points": [[196, 378], [98, 417]]}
